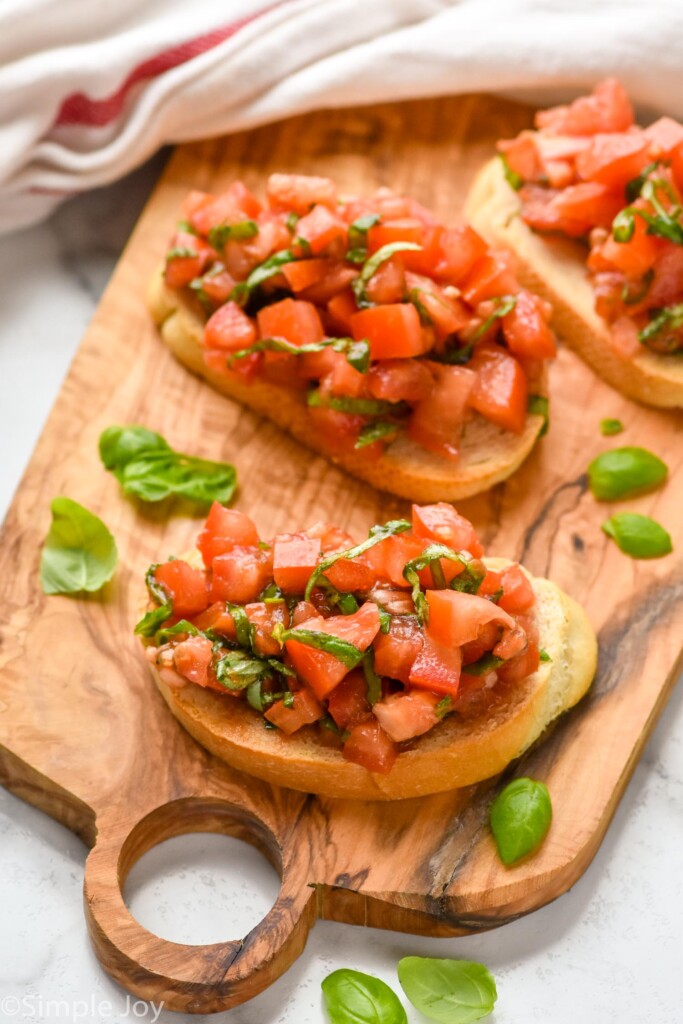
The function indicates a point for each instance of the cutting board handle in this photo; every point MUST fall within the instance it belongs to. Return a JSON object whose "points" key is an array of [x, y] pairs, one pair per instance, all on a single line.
{"points": [[193, 979]]}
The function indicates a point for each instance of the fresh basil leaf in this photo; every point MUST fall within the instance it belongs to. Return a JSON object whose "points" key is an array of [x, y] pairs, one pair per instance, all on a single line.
{"points": [[79, 553], [371, 678], [610, 427], [357, 256], [487, 663], [625, 472], [151, 621], [422, 311], [356, 406], [184, 225], [513, 179], [244, 629], [358, 230], [430, 558], [448, 991], [180, 252], [237, 670], [503, 305], [153, 476], [119, 445], [345, 602], [220, 234], [454, 355], [372, 265], [538, 405], [375, 536], [342, 650], [271, 593], [638, 536], [352, 997], [520, 819]]}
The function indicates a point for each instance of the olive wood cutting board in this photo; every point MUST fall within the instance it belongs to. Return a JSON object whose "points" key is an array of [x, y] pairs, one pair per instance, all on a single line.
{"points": [[84, 734]]}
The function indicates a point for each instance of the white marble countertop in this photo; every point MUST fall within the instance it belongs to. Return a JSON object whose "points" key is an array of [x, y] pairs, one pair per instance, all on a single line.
{"points": [[609, 950]]}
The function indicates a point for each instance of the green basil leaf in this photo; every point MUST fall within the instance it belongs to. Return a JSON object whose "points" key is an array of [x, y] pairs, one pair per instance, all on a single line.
{"points": [[184, 225], [375, 536], [623, 225], [449, 991], [183, 626], [291, 221], [454, 356], [539, 405], [357, 352], [356, 406], [634, 186], [79, 553], [352, 997], [670, 318], [358, 230], [487, 663], [504, 305], [237, 670], [513, 179], [371, 678], [119, 445], [221, 233], [520, 819], [244, 629], [544, 656], [444, 707], [372, 265], [625, 472], [357, 256], [153, 476], [342, 650], [180, 252], [610, 427], [269, 268], [384, 620], [150, 622], [346, 603], [638, 536]]}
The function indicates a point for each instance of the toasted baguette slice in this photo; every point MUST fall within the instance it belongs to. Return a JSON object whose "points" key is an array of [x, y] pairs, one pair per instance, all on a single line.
{"points": [[488, 453], [458, 752], [556, 269]]}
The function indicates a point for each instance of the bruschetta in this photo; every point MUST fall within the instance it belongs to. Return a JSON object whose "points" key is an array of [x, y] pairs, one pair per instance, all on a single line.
{"points": [[590, 205], [403, 350], [404, 665]]}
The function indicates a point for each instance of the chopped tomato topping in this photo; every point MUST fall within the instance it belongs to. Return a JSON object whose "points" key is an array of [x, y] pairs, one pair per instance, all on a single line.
{"points": [[348, 702], [437, 666], [229, 329], [369, 746], [296, 321], [191, 659], [441, 524], [295, 556], [240, 575], [320, 669], [186, 585], [304, 709], [299, 192], [224, 529], [394, 331], [404, 716], [436, 422], [501, 389], [456, 618]]}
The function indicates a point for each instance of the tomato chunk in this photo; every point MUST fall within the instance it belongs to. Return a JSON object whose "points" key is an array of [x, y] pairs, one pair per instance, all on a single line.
{"points": [[292, 319], [186, 585], [321, 670], [456, 618], [436, 422], [406, 715], [613, 159], [501, 389], [295, 556], [348, 702], [461, 248], [394, 331], [301, 274], [224, 529], [319, 229], [396, 651], [399, 380], [229, 329], [240, 575], [298, 192], [607, 109], [518, 594], [526, 330], [437, 666], [303, 710], [191, 659], [264, 618], [443, 525], [369, 746]]}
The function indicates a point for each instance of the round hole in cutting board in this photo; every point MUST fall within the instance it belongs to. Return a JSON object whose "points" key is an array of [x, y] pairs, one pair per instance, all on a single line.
{"points": [[201, 888]]}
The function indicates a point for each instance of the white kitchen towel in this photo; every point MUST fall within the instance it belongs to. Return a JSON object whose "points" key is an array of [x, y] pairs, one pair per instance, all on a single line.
{"points": [[89, 89]]}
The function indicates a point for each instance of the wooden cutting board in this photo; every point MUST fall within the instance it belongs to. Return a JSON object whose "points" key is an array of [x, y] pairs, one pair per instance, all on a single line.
{"points": [[86, 737]]}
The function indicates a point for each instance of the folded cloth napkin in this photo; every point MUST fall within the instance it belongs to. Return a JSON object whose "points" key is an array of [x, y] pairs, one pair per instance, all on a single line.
{"points": [[88, 90]]}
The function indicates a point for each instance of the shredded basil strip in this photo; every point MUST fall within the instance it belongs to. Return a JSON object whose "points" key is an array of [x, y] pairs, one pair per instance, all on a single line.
{"points": [[357, 352], [538, 405], [342, 650], [180, 252], [504, 305], [635, 185], [455, 356], [183, 626], [376, 535], [514, 180], [372, 265], [221, 233], [291, 221], [375, 432], [357, 406], [371, 678], [358, 230], [487, 663], [346, 603], [155, 617], [444, 706], [243, 627], [670, 318], [430, 558], [269, 268], [236, 670], [663, 223]]}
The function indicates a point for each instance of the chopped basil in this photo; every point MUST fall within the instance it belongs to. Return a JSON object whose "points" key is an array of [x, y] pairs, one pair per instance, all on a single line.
{"points": [[455, 356], [487, 663], [635, 185], [448, 991], [342, 650], [358, 230], [237, 670], [375, 432], [243, 627], [163, 635], [180, 252], [375, 536], [184, 225], [149, 469], [623, 225], [346, 603], [269, 268], [422, 311], [610, 427], [357, 406], [544, 656], [357, 352], [663, 223], [153, 619], [637, 535], [430, 558], [222, 233], [79, 553], [291, 221], [372, 265], [539, 405], [271, 593], [444, 707], [670, 318], [625, 472], [384, 620], [352, 997], [513, 179], [371, 678], [630, 295], [520, 818], [503, 305]]}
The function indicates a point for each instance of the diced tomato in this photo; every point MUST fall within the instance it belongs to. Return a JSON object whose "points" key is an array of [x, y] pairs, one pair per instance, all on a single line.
{"points": [[667, 286], [448, 315], [341, 308], [224, 529], [491, 584], [337, 280], [400, 380], [192, 657], [319, 229], [461, 248], [304, 710], [456, 618], [229, 329], [235, 204], [387, 232], [331, 537], [350, 575], [299, 192], [664, 136], [296, 321], [526, 330], [635, 257], [390, 205], [217, 285], [321, 670], [303, 610], [369, 746], [430, 256], [501, 389], [295, 556], [217, 618], [186, 585], [436, 422], [245, 199], [518, 594], [587, 205], [437, 666], [522, 665], [181, 269], [490, 278], [240, 575], [396, 650], [607, 109], [338, 430], [441, 524], [394, 331], [348, 702], [344, 379], [388, 284], [389, 557], [613, 159], [301, 274], [523, 156], [195, 200], [406, 715]]}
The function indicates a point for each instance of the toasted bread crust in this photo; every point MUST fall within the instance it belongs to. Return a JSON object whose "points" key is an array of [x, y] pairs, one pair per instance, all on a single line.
{"points": [[488, 453], [457, 753], [556, 269]]}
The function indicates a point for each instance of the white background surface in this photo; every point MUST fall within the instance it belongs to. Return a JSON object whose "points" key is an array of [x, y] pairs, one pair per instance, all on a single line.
{"points": [[609, 950]]}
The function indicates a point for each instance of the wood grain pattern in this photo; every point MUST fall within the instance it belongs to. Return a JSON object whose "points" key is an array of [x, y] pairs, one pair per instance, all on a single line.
{"points": [[85, 736]]}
